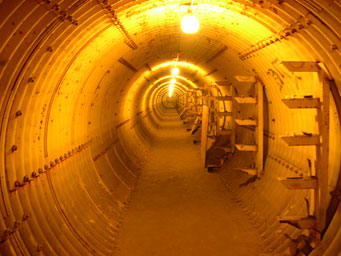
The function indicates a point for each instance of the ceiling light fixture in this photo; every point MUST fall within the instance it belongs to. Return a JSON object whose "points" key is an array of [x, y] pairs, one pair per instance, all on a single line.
{"points": [[190, 23], [175, 71]]}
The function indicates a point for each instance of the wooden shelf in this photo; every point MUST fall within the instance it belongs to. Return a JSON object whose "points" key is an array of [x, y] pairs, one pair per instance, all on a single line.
{"points": [[223, 113], [220, 98], [299, 183], [301, 66], [226, 149], [252, 172], [246, 100], [224, 98], [223, 83], [244, 122], [299, 222], [246, 79], [302, 102], [302, 140], [243, 147], [224, 132]]}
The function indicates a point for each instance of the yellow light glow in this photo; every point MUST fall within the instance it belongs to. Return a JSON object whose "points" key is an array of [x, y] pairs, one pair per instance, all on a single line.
{"points": [[190, 24], [175, 71], [171, 87], [173, 81]]}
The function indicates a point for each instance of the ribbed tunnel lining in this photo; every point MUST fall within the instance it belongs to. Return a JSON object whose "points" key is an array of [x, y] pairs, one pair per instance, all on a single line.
{"points": [[79, 105]]}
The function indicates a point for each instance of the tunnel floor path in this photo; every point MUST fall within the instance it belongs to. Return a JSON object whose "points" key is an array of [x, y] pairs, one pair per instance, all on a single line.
{"points": [[180, 209]]}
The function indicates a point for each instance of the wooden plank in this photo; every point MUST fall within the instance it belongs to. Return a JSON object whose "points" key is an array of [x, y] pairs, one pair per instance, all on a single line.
{"points": [[299, 222], [226, 113], [223, 83], [246, 100], [182, 112], [299, 182], [224, 98], [244, 122], [323, 167], [246, 79], [302, 140], [252, 172], [234, 116], [224, 132], [301, 66], [226, 149], [204, 130], [220, 98], [260, 129], [195, 125], [302, 102], [243, 147]]}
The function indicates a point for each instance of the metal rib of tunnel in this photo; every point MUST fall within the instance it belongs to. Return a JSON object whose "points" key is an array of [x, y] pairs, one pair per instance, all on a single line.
{"points": [[84, 91]]}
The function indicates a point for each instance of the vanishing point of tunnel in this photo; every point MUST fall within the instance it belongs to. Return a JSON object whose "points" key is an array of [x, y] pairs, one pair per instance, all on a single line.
{"points": [[170, 128]]}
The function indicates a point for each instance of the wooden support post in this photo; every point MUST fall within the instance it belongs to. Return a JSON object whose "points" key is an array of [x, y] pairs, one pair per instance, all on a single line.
{"points": [[260, 129], [323, 167], [204, 130], [234, 116]]}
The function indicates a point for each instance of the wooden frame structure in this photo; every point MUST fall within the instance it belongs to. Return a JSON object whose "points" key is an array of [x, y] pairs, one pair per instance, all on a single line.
{"points": [[258, 123], [319, 181]]}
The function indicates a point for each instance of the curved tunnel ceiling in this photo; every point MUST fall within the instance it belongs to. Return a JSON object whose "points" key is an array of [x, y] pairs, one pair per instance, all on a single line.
{"points": [[80, 93]]}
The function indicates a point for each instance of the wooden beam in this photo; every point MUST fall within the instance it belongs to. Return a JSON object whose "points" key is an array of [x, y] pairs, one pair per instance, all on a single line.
{"points": [[302, 102], [260, 129], [244, 122], [302, 140], [246, 79], [124, 62], [323, 167], [252, 172], [226, 149], [243, 147], [217, 54], [299, 222], [299, 182], [226, 113], [224, 98], [204, 130], [246, 100], [224, 132], [301, 66], [223, 83]]}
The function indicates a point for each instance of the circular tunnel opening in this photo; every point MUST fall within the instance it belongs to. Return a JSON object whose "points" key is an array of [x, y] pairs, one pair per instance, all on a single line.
{"points": [[96, 157]]}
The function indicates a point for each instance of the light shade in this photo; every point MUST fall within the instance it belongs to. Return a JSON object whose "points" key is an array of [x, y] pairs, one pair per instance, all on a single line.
{"points": [[175, 71], [190, 24], [173, 80]]}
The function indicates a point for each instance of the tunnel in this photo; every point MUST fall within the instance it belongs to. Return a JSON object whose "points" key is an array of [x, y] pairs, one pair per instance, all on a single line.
{"points": [[99, 157]]}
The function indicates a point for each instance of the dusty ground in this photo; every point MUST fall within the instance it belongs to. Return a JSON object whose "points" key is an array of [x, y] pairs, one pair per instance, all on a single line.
{"points": [[179, 208]]}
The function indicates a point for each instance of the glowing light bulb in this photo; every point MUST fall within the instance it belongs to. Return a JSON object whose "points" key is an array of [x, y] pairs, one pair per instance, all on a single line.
{"points": [[175, 71], [173, 80], [190, 24]]}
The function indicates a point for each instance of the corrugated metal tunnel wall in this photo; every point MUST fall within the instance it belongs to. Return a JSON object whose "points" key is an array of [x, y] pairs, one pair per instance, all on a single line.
{"points": [[82, 88]]}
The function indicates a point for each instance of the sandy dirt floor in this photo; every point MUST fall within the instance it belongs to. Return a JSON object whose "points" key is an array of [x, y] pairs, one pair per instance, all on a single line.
{"points": [[179, 208]]}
